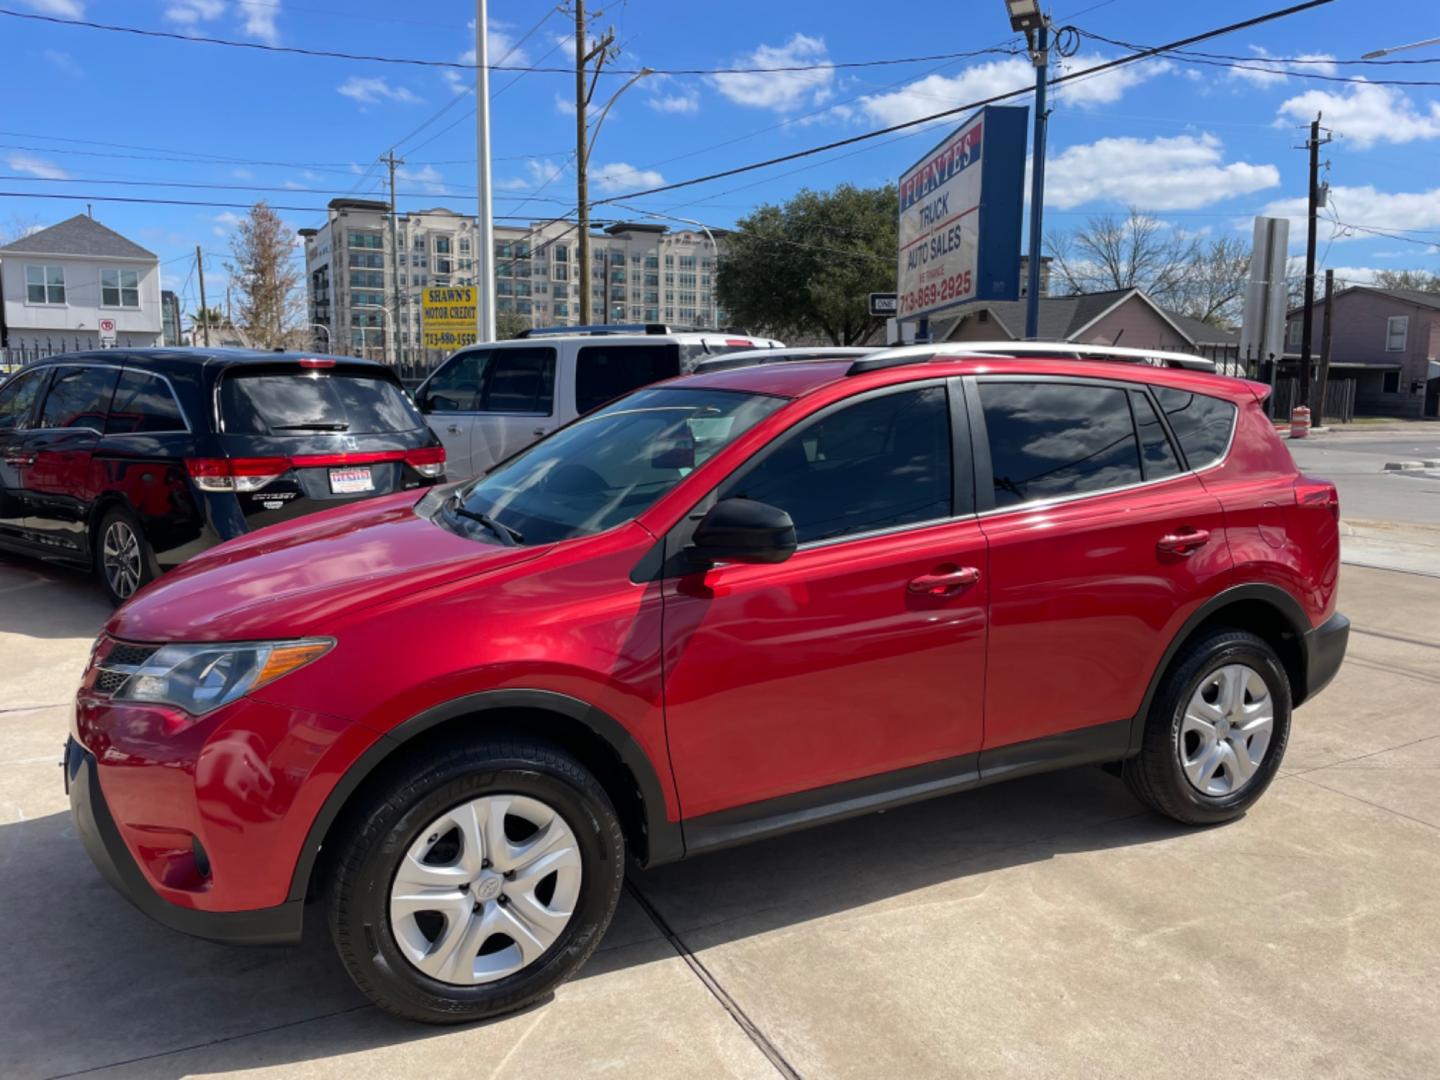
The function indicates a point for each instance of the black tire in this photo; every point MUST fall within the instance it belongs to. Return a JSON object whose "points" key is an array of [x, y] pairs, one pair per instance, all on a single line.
{"points": [[394, 818], [140, 568], [1156, 776]]}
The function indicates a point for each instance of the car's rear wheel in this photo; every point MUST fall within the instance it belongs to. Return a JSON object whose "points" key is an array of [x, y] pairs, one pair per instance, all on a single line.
{"points": [[476, 881], [1216, 732], [124, 562]]}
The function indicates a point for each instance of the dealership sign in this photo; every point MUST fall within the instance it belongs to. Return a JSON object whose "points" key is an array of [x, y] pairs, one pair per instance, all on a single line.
{"points": [[960, 211], [447, 317]]}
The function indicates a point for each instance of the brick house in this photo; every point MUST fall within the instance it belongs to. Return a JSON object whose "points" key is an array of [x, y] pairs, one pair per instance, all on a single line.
{"points": [[1387, 340]]}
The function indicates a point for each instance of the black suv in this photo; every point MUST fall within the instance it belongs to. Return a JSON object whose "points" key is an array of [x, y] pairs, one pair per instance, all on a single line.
{"points": [[131, 461]]}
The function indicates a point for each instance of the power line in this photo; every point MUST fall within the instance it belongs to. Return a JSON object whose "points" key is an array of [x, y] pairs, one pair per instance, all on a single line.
{"points": [[195, 39], [192, 202], [944, 113], [294, 189]]}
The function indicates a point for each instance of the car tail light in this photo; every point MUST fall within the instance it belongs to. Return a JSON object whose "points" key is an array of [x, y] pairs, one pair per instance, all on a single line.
{"points": [[427, 460], [316, 362], [1320, 493], [236, 474]]}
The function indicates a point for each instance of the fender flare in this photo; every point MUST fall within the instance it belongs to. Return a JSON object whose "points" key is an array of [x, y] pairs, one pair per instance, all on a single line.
{"points": [[665, 842], [1282, 601]]}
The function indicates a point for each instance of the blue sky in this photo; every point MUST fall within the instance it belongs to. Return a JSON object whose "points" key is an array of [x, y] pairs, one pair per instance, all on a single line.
{"points": [[1201, 147]]}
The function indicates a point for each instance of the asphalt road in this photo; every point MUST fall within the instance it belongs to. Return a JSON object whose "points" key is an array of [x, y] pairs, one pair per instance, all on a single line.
{"points": [[1355, 461]]}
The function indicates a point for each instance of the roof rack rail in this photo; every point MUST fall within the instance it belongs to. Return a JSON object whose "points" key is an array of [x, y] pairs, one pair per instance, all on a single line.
{"points": [[627, 328], [1058, 350], [888, 358]]}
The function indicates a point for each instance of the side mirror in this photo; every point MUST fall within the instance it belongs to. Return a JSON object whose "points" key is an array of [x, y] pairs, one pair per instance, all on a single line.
{"points": [[743, 531]]}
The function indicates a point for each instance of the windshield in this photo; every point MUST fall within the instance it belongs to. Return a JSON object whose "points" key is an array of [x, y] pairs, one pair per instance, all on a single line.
{"points": [[604, 469]]}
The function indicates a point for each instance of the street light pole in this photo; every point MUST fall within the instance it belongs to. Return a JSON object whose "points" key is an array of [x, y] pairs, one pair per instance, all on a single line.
{"points": [[322, 326], [1041, 54], [1377, 53], [485, 268]]}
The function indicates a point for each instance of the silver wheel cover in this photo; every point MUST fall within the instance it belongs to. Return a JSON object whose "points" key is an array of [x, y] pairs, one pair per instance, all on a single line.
{"points": [[1225, 732], [120, 559], [469, 905]]}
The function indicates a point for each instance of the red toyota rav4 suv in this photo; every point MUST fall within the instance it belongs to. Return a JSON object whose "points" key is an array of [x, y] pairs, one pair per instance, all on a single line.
{"points": [[719, 608]]}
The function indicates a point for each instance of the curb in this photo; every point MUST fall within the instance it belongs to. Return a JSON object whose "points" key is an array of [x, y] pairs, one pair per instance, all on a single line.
{"points": [[1407, 466]]}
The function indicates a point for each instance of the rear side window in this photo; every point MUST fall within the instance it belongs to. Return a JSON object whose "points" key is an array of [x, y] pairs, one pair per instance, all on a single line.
{"points": [[17, 398], [877, 464], [143, 404], [1155, 449], [605, 372], [1201, 423], [291, 404], [79, 398], [1054, 439], [516, 380]]}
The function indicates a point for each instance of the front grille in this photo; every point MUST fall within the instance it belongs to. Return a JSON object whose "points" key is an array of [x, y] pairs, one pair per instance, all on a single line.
{"points": [[110, 682], [125, 655]]}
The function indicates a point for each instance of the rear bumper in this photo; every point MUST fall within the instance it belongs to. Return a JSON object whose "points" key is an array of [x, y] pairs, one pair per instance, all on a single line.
{"points": [[1324, 652], [101, 837]]}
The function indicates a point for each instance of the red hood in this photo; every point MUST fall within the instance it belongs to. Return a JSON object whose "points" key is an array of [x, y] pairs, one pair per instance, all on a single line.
{"points": [[299, 577]]}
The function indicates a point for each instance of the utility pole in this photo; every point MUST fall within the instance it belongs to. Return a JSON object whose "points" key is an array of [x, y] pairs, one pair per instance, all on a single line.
{"points": [[204, 313], [583, 55], [1317, 408], [485, 261], [395, 355], [1312, 144], [1041, 55]]}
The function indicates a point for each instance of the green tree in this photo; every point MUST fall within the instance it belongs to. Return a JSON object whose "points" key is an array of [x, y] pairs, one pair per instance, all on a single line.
{"points": [[1417, 280], [202, 317], [805, 269], [510, 325]]}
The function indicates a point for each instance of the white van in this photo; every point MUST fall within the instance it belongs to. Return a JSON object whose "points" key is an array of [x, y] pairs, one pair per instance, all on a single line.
{"points": [[490, 401]]}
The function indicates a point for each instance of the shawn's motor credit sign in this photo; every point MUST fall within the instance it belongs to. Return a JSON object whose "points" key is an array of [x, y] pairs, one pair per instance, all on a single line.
{"points": [[447, 317], [960, 209]]}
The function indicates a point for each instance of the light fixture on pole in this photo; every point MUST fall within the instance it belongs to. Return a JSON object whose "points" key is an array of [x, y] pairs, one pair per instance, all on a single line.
{"points": [[1027, 18], [1025, 15], [1376, 54]]}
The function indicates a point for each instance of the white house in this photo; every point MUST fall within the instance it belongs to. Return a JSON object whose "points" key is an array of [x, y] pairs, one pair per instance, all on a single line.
{"points": [[58, 284]]}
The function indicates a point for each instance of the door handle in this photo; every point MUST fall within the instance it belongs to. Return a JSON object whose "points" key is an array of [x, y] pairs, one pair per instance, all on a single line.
{"points": [[453, 429], [538, 432], [1185, 542], [944, 582]]}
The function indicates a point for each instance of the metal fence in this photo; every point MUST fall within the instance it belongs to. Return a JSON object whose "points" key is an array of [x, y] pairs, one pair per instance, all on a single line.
{"points": [[1339, 400]]}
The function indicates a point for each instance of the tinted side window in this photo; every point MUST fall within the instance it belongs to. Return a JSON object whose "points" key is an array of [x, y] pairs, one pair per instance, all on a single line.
{"points": [[519, 381], [143, 403], [878, 463], [1155, 449], [295, 404], [456, 386], [605, 372], [1202, 424], [17, 398], [79, 397], [1053, 439]]}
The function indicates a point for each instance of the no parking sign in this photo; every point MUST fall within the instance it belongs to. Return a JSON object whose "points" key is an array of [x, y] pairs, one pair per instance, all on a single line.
{"points": [[107, 333]]}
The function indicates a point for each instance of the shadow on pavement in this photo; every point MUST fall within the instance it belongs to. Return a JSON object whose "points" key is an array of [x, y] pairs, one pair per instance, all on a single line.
{"points": [[45, 601], [88, 981]]}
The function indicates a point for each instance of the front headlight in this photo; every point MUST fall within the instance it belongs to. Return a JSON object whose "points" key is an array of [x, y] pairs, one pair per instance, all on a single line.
{"points": [[201, 678]]}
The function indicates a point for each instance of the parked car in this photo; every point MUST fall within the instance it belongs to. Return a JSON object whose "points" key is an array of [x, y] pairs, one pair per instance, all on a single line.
{"points": [[128, 462], [712, 611], [490, 401]]}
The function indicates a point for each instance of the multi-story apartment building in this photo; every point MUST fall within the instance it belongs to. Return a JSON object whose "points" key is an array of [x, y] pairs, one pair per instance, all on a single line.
{"points": [[637, 273]]}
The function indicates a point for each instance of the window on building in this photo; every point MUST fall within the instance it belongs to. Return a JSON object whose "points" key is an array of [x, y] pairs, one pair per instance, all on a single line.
{"points": [[45, 284], [79, 397], [669, 261], [1202, 424], [1390, 383], [877, 464], [1054, 439], [464, 245], [442, 245], [120, 288], [1396, 328], [562, 253], [1294, 332]]}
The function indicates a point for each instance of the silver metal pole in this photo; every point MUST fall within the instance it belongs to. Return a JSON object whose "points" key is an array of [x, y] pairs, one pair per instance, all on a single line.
{"points": [[485, 262]]}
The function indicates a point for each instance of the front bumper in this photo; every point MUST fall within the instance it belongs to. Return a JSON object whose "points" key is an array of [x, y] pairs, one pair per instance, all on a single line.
{"points": [[1324, 651], [100, 835]]}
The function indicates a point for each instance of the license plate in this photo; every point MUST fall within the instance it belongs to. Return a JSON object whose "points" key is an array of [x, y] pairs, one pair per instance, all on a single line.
{"points": [[349, 481]]}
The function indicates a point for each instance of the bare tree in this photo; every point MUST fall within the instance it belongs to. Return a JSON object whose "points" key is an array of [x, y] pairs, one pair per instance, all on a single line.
{"points": [[1212, 287], [271, 302], [1415, 280], [17, 227], [1136, 251]]}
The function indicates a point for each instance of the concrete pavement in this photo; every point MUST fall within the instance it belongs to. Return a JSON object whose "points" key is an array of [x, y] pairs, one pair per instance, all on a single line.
{"points": [[1047, 927]]}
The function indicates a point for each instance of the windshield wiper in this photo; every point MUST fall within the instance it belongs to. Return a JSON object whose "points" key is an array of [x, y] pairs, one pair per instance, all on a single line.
{"points": [[319, 425], [508, 536]]}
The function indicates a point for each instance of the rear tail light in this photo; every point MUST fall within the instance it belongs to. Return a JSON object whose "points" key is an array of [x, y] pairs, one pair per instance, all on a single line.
{"points": [[1319, 493], [316, 362], [252, 474]]}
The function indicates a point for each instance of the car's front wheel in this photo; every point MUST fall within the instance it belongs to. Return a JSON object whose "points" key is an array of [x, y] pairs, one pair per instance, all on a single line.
{"points": [[477, 881], [1216, 731]]}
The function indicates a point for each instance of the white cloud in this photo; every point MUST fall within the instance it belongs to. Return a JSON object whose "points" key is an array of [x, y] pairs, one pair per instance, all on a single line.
{"points": [[684, 103], [1365, 114], [541, 170], [224, 222], [622, 177], [45, 170], [68, 9], [458, 83], [1355, 275], [369, 91], [1264, 71], [192, 12], [260, 19], [242, 174], [1180, 172], [782, 91], [565, 106], [1108, 86], [502, 45], [64, 62], [428, 178], [1366, 207]]}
